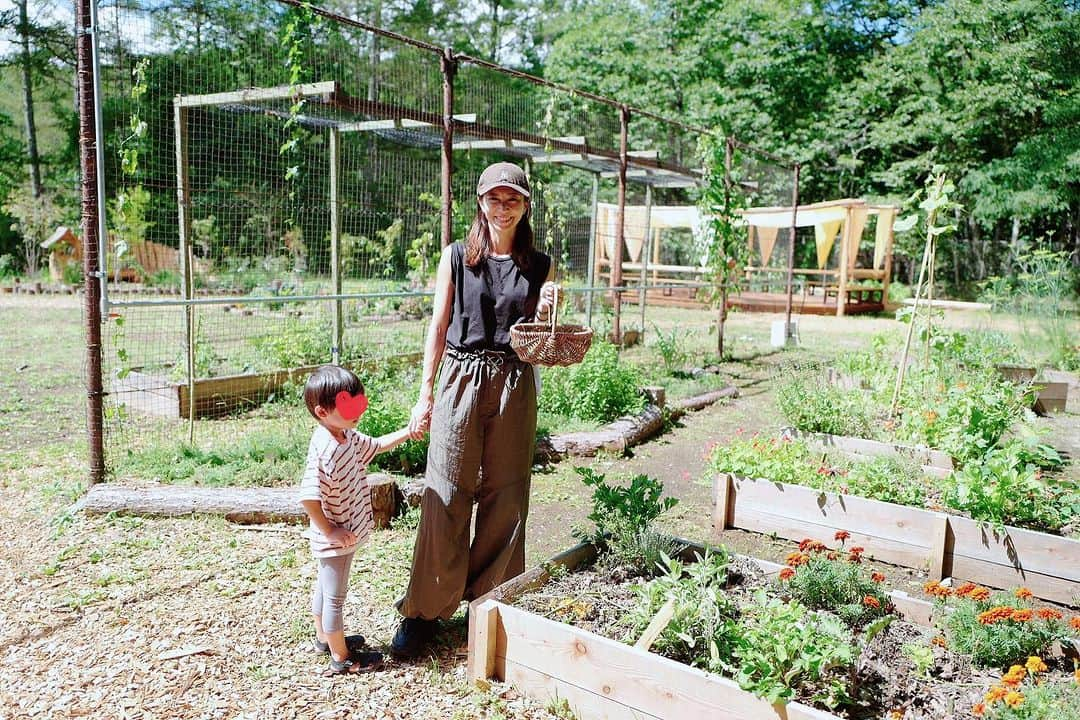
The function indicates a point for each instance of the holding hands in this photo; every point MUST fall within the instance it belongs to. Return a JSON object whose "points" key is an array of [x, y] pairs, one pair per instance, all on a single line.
{"points": [[420, 419]]}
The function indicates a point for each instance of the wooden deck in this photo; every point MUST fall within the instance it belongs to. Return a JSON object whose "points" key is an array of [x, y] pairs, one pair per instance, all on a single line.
{"points": [[801, 304], [757, 302]]}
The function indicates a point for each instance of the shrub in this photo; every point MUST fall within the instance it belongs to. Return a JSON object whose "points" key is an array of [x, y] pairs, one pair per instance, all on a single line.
{"points": [[598, 389]]}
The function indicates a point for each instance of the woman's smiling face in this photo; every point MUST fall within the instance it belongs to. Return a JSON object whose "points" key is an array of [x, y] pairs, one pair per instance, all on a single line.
{"points": [[503, 208]]}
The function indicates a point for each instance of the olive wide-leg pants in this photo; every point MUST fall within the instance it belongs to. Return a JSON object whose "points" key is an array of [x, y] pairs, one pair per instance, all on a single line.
{"points": [[483, 436]]}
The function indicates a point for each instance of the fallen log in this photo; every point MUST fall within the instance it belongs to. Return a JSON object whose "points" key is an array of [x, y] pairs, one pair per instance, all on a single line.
{"points": [[245, 506]]}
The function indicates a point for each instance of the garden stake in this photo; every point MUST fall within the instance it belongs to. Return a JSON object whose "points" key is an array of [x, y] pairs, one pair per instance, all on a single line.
{"points": [[930, 215]]}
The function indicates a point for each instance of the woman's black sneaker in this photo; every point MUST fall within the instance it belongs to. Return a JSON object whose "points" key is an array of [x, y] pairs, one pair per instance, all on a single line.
{"points": [[412, 637]]}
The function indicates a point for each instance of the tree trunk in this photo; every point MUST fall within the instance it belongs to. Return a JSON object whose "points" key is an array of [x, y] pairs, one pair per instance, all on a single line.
{"points": [[33, 159]]}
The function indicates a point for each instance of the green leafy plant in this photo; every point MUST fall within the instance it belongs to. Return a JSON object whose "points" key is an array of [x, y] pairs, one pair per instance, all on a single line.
{"points": [[784, 649], [1023, 695], [703, 627], [623, 519], [671, 347], [921, 655], [1003, 488], [835, 580], [812, 404], [600, 388], [790, 461], [995, 629]]}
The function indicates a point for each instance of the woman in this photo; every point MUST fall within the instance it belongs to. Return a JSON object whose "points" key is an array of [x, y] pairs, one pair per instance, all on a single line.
{"points": [[482, 416]]}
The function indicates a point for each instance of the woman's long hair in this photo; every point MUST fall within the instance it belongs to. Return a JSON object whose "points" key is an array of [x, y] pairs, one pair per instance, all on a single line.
{"points": [[478, 241]]}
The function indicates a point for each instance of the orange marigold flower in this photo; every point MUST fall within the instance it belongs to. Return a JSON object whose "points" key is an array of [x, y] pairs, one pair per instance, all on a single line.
{"points": [[832, 555], [931, 417], [1014, 677], [979, 594], [796, 559], [805, 544], [877, 577], [1014, 699], [964, 589], [787, 573], [1035, 664], [930, 587], [1024, 594], [1023, 615], [857, 550], [1048, 614], [993, 615], [939, 640], [1074, 622], [871, 601], [841, 535], [978, 709], [854, 558], [995, 693]]}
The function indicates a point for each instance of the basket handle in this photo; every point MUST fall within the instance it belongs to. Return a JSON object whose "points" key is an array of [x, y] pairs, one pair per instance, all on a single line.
{"points": [[555, 310]]}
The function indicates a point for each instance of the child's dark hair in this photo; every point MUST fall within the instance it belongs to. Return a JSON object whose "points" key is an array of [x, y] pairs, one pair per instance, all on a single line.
{"points": [[324, 385]]}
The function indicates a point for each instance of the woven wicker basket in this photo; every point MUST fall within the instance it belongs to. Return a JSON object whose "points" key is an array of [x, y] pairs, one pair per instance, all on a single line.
{"points": [[550, 343]]}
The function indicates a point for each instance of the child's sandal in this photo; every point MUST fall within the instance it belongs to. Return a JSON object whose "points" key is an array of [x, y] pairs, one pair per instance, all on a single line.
{"points": [[356, 663], [354, 643]]}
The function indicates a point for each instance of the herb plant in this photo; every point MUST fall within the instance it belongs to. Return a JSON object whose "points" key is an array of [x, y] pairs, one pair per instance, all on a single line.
{"points": [[835, 580], [600, 388]]}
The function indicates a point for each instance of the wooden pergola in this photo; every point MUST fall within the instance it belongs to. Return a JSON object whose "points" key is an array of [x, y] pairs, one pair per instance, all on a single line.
{"points": [[846, 219]]}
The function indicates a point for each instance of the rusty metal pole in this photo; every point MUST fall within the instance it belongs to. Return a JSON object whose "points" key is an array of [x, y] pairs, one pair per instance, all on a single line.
{"points": [[721, 318], [620, 224], [88, 182], [449, 69], [791, 254]]}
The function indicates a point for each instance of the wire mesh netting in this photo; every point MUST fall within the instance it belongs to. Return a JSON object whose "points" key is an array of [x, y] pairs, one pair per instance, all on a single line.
{"points": [[275, 202]]}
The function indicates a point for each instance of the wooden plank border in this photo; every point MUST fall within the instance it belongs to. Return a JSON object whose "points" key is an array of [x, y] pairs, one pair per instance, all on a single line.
{"points": [[944, 545]]}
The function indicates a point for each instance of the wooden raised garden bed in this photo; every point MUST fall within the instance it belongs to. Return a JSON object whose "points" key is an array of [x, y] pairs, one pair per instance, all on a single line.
{"points": [[946, 545], [604, 678], [933, 462], [157, 394]]}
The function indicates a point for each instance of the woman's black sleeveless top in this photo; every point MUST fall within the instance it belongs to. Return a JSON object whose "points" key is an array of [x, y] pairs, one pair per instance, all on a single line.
{"points": [[492, 297]]}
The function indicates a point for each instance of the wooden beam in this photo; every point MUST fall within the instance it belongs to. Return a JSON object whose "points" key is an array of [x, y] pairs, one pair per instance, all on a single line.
{"points": [[248, 95], [559, 158]]}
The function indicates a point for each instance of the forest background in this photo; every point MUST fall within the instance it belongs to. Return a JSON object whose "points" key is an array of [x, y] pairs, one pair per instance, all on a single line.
{"points": [[869, 95]]}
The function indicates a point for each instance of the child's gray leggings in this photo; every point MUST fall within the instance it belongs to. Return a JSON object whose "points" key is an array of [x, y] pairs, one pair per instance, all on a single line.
{"points": [[330, 587]]}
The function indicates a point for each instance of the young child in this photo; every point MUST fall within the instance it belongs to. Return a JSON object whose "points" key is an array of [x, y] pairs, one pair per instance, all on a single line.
{"points": [[335, 495]]}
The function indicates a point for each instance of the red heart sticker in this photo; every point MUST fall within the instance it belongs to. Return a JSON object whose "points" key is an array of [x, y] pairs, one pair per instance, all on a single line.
{"points": [[350, 407]]}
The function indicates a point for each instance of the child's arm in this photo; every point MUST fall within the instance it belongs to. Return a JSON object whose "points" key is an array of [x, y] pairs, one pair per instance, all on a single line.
{"points": [[390, 441], [334, 533]]}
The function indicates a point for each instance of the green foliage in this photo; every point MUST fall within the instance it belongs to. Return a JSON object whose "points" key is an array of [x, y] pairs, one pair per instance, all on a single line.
{"points": [[128, 215], [991, 631], [390, 394], [784, 648], [1041, 701], [672, 348], [703, 628], [790, 461], [623, 519], [297, 342], [921, 655], [812, 404], [600, 388], [1003, 488], [836, 581], [1040, 291]]}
